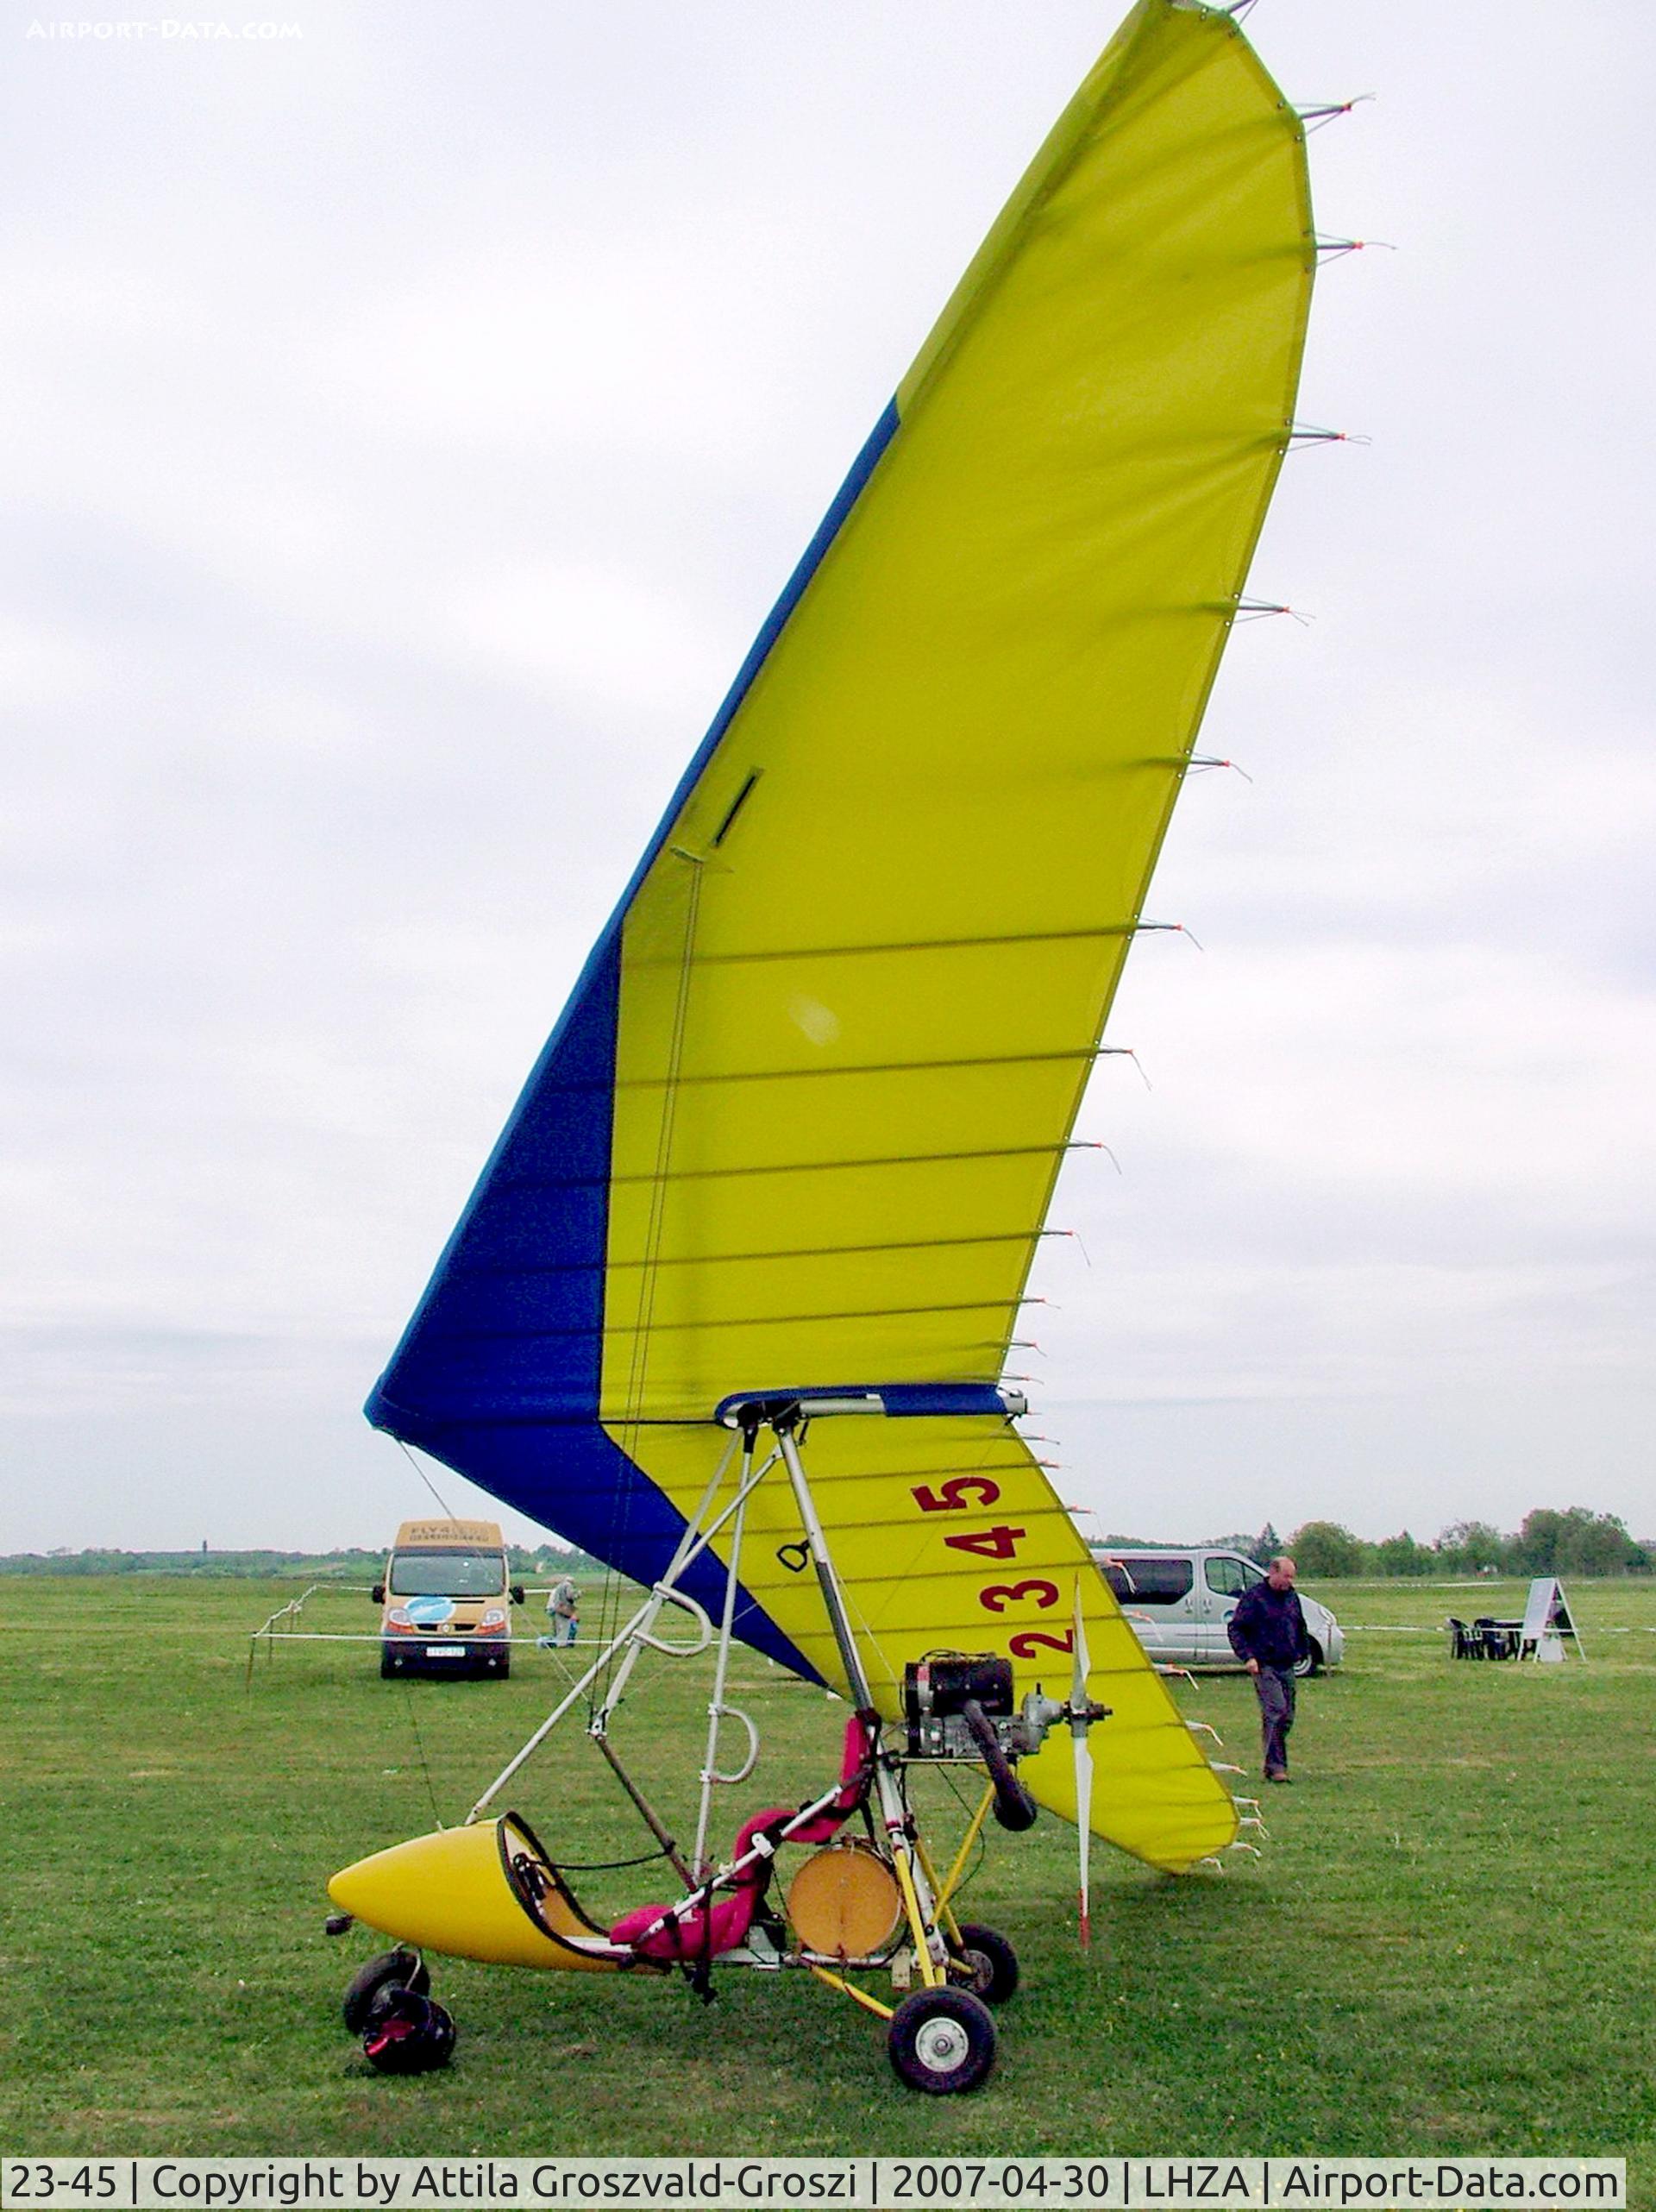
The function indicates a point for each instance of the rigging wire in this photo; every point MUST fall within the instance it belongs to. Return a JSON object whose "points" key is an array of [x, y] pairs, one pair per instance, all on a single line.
{"points": [[608, 1865], [448, 1513], [980, 1849], [1327, 111], [420, 1746]]}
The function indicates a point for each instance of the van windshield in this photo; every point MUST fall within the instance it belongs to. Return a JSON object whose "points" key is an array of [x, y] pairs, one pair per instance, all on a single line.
{"points": [[448, 1574]]}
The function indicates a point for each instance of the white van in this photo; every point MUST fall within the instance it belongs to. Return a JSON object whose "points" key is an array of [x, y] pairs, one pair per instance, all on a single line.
{"points": [[1179, 1604]]}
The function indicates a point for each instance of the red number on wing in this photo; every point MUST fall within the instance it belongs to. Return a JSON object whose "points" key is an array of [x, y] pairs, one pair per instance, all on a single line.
{"points": [[950, 1497], [998, 1543], [1025, 1645], [1000, 1595]]}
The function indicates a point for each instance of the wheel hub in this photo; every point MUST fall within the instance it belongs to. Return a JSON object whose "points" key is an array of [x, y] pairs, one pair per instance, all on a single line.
{"points": [[941, 2045]]}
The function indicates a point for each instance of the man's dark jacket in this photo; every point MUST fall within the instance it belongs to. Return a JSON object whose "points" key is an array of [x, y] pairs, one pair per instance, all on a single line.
{"points": [[1268, 1626]]}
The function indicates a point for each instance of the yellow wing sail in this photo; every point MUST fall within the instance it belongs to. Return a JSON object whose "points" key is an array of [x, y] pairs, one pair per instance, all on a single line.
{"points": [[948, 1540], [857, 1014], [800, 1124], [856, 1028]]}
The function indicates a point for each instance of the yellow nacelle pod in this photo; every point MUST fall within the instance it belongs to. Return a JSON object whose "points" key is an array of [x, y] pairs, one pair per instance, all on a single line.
{"points": [[486, 1891]]}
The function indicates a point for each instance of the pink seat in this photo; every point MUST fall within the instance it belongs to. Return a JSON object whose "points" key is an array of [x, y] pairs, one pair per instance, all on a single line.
{"points": [[724, 1924]]}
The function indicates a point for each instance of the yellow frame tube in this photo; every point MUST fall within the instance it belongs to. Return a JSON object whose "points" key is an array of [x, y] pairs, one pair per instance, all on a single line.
{"points": [[931, 1974], [975, 1829], [851, 1990], [946, 1919]]}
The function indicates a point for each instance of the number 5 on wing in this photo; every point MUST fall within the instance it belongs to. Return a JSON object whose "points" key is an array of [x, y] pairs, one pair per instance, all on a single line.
{"points": [[950, 1497]]}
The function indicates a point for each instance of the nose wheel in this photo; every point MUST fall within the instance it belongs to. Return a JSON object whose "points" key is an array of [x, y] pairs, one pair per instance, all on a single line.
{"points": [[389, 2006], [408, 2034], [942, 2041], [403, 1967]]}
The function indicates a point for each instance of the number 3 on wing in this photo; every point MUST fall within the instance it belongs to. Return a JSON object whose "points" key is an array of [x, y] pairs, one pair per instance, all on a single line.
{"points": [[1000, 1595]]}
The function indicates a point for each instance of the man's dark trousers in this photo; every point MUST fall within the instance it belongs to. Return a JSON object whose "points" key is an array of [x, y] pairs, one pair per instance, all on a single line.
{"points": [[1275, 1688]]}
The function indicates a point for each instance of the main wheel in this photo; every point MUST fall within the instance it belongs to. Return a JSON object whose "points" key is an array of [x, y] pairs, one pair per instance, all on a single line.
{"points": [[409, 2034], [992, 1961], [941, 2041], [402, 1969], [1312, 1663]]}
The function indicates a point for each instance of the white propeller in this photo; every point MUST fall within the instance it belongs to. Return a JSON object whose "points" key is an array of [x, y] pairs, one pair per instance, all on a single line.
{"points": [[1080, 1729]]}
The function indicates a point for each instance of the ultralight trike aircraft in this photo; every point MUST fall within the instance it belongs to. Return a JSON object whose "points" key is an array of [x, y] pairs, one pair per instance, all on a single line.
{"points": [[786, 1162]]}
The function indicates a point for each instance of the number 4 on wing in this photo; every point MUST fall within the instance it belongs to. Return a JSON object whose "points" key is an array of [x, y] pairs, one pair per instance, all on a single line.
{"points": [[998, 1543]]}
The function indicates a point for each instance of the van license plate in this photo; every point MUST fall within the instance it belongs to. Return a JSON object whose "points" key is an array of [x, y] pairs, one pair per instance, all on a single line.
{"points": [[445, 1650]]}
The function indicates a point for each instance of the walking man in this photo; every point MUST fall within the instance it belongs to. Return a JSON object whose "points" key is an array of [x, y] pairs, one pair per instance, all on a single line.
{"points": [[1267, 1633]]}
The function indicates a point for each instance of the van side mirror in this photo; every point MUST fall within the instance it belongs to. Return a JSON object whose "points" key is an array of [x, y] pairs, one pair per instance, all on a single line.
{"points": [[517, 1593], [378, 1594]]}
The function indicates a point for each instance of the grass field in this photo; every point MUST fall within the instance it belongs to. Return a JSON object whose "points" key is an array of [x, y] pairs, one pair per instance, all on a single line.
{"points": [[1449, 1946]]}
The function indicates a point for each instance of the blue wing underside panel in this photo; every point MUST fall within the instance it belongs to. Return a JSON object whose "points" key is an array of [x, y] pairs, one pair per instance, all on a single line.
{"points": [[498, 1373]]}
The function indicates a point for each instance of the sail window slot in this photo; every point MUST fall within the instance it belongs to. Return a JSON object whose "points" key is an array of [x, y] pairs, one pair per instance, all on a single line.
{"points": [[734, 808]]}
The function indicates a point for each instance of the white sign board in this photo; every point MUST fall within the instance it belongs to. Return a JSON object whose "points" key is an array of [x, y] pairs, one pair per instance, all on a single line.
{"points": [[1546, 1621]]}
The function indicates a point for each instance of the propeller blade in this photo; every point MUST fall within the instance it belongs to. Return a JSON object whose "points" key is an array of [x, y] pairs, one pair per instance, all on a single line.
{"points": [[1084, 1825], [1084, 1658]]}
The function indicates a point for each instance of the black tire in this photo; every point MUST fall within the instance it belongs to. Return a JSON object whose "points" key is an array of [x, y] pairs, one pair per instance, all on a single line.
{"points": [[370, 1985], [941, 2041], [388, 1667], [409, 2034], [992, 1961], [1312, 1663]]}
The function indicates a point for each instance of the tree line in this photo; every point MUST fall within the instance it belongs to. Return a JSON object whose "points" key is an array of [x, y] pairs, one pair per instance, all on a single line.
{"points": [[1575, 1542], [341, 1566]]}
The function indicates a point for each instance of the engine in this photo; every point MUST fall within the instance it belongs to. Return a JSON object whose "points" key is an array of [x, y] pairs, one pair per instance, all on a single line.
{"points": [[954, 1703]]}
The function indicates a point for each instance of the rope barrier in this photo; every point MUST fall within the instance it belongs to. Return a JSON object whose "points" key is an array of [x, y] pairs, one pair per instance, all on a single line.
{"points": [[1439, 1627]]}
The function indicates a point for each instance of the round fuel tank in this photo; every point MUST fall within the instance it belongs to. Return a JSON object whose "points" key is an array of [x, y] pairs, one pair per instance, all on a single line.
{"points": [[844, 1902]]}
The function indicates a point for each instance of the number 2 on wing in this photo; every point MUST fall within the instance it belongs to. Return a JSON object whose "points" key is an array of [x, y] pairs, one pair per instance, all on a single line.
{"points": [[1028, 1641], [1000, 1595], [998, 1543], [950, 1497]]}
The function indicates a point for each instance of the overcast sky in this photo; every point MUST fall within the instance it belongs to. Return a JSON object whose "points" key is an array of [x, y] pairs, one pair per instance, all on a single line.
{"points": [[411, 421]]}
